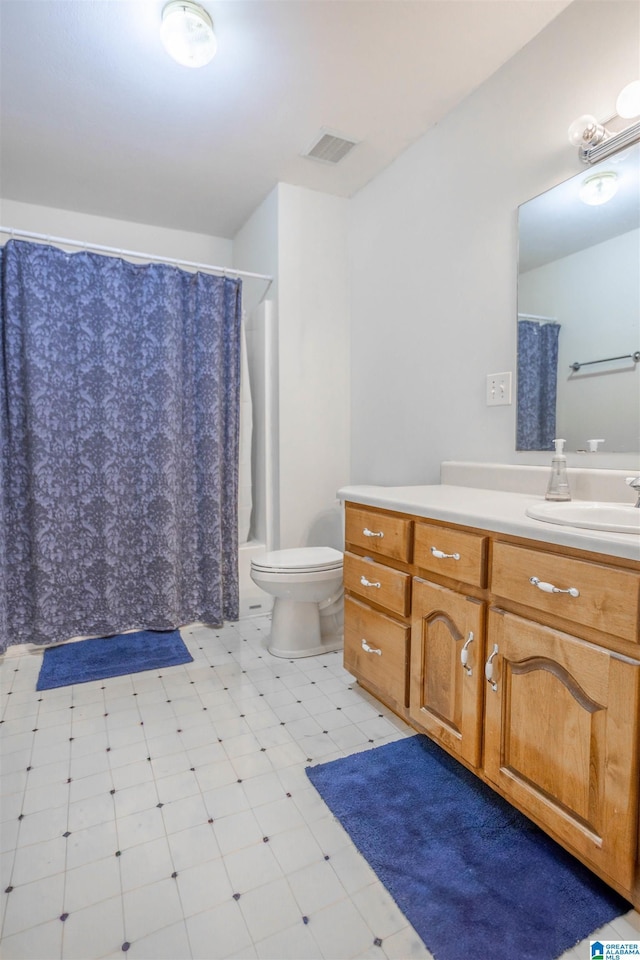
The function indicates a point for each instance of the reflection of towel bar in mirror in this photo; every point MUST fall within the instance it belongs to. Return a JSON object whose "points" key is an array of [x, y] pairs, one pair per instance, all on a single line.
{"points": [[625, 356]]}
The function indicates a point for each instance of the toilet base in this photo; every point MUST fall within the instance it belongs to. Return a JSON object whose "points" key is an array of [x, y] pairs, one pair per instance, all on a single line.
{"points": [[296, 631], [329, 647]]}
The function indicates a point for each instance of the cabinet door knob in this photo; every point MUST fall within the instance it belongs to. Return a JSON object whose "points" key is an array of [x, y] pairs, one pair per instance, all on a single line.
{"points": [[549, 587], [372, 533], [369, 583], [368, 649], [488, 668], [444, 556], [464, 655]]}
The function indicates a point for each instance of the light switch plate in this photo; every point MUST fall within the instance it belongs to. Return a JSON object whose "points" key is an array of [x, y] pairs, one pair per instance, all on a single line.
{"points": [[498, 389]]}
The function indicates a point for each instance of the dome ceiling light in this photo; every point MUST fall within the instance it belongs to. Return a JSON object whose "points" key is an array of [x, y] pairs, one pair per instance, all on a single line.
{"points": [[187, 33]]}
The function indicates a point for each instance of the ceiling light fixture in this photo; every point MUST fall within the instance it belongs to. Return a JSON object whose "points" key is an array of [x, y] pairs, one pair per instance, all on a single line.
{"points": [[187, 33], [599, 188], [595, 142]]}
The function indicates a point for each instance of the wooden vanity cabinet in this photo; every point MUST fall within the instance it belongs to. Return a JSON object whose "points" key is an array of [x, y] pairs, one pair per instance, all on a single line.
{"points": [[561, 739], [378, 603], [563, 702], [447, 661], [536, 690], [447, 637]]}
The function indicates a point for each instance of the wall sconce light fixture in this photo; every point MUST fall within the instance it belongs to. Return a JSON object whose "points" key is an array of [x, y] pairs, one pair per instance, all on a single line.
{"points": [[187, 33], [628, 102], [595, 142]]}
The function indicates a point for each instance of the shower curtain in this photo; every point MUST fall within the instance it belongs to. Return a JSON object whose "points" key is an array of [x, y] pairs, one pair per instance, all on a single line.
{"points": [[537, 384], [119, 420]]}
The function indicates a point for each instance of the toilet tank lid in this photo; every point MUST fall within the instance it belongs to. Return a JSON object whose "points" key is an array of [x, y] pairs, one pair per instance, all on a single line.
{"points": [[299, 558]]}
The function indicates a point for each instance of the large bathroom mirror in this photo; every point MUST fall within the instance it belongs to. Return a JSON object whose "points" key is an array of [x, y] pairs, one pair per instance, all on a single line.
{"points": [[579, 311]]}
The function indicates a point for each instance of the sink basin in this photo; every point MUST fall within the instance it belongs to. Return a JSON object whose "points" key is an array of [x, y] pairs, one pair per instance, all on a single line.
{"points": [[613, 517]]}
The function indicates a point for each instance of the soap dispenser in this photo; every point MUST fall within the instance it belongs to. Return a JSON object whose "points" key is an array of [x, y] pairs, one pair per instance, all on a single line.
{"points": [[558, 488]]}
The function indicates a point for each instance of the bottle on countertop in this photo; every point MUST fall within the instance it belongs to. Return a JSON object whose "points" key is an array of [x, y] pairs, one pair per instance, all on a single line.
{"points": [[558, 488]]}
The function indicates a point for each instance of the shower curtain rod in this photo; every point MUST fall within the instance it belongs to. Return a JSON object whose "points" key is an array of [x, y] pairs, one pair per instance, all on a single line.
{"points": [[225, 271], [535, 316]]}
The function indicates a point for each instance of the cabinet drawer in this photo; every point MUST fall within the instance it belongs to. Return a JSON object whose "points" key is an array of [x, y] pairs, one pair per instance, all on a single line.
{"points": [[377, 583], [608, 598], [381, 533], [385, 663], [451, 553]]}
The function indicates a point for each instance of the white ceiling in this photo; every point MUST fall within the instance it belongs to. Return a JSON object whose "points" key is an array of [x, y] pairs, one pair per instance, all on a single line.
{"points": [[98, 119]]}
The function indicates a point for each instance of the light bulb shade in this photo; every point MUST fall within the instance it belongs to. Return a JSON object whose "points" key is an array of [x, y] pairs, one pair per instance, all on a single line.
{"points": [[586, 131], [187, 33], [628, 102], [599, 188]]}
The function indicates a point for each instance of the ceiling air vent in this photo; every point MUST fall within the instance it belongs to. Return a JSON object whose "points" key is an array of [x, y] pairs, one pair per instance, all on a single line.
{"points": [[330, 147]]}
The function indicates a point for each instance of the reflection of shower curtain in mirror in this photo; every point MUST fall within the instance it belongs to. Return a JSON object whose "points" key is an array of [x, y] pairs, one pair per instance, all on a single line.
{"points": [[537, 384]]}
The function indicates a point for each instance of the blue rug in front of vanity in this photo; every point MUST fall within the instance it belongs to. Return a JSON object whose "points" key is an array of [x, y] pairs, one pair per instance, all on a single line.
{"points": [[115, 656], [472, 875]]}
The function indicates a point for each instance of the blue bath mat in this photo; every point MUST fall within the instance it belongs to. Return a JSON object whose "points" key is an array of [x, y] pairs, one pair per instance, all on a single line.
{"points": [[472, 875], [111, 657]]}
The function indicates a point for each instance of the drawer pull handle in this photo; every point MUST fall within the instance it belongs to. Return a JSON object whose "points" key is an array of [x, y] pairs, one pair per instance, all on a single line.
{"points": [[371, 533], [368, 649], [369, 583], [549, 587], [444, 556], [464, 655], [488, 668]]}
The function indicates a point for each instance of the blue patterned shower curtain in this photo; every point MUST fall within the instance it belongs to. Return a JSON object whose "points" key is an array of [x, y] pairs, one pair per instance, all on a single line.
{"points": [[537, 384], [119, 421]]}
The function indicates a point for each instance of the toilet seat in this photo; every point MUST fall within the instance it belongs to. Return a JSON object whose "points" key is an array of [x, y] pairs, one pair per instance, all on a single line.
{"points": [[299, 560]]}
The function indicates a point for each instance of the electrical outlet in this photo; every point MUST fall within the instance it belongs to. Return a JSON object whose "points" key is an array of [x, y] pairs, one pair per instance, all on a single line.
{"points": [[498, 389]]}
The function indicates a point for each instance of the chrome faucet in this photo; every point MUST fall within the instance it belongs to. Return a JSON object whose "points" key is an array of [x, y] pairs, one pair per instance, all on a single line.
{"points": [[634, 482]]}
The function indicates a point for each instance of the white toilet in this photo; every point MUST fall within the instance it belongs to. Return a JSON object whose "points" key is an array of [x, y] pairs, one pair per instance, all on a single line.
{"points": [[306, 583]]}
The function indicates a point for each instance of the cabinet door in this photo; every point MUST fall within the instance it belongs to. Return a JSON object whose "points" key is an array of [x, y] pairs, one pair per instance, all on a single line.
{"points": [[446, 694], [561, 729]]}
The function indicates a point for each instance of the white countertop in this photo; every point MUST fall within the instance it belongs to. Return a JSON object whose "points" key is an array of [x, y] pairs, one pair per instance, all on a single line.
{"points": [[496, 510]]}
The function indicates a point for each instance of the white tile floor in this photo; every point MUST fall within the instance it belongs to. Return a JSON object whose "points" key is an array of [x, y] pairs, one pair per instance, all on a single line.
{"points": [[168, 814]]}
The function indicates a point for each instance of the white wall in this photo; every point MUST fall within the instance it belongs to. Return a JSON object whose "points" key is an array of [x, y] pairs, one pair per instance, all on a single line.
{"points": [[313, 323], [139, 237], [433, 246], [595, 297], [300, 236]]}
